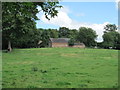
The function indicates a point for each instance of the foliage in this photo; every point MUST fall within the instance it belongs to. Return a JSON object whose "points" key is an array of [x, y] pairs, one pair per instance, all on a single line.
{"points": [[110, 27], [30, 40], [53, 33], [111, 37], [45, 38], [63, 32], [87, 36], [49, 8], [71, 42], [19, 17], [15, 16], [73, 33]]}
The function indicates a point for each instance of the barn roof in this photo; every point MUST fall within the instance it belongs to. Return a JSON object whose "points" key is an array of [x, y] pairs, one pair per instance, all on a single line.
{"points": [[59, 40]]}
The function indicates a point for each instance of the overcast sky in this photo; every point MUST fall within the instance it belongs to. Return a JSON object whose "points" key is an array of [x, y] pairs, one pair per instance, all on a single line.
{"points": [[78, 14]]}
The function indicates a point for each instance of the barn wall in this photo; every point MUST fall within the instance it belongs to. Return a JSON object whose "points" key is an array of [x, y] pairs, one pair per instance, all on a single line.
{"points": [[79, 46], [59, 45]]}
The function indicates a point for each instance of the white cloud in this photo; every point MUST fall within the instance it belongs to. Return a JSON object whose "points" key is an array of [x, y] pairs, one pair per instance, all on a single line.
{"points": [[63, 20], [65, 9], [39, 8]]}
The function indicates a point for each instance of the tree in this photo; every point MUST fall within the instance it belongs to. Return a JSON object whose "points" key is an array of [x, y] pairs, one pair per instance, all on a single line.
{"points": [[19, 17], [53, 33], [71, 42], [110, 27], [29, 40], [73, 33], [63, 32], [45, 38], [117, 40], [111, 37], [87, 36], [108, 40]]}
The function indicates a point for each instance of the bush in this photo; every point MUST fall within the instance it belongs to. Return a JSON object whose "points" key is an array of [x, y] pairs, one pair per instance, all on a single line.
{"points": [[71, 42]]}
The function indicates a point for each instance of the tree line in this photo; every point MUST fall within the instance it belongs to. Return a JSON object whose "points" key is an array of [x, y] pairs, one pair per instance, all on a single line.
{"points": [[32, 37], [19, 28], [83, 35]]}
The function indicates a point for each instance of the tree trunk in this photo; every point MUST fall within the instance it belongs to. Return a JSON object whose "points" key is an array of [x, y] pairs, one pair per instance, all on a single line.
{"points": [[9, 46]]}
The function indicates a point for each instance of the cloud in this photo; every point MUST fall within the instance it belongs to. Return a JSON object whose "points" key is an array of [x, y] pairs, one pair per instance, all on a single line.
{"points": [[64, 20], [39, 8], [65, 9]]}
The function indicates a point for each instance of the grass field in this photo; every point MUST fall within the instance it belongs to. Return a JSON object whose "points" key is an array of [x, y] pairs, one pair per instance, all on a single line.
{"points": [[60, 68]]}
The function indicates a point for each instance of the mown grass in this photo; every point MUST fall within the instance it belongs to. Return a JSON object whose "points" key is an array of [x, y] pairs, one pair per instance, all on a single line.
{"points": [[60, 68]]}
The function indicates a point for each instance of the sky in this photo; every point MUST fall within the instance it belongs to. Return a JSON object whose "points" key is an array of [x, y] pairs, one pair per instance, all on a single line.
{"points": [[74, 15]]}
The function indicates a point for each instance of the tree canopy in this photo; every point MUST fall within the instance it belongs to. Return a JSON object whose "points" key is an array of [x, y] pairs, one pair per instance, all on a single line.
{"points": [[87, 36], [111, 37], [19, 18], [110, 27]]}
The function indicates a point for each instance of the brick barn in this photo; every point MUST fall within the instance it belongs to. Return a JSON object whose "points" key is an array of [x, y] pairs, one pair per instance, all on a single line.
{"points": [[63, 42], [79, 45], [59, 42]]}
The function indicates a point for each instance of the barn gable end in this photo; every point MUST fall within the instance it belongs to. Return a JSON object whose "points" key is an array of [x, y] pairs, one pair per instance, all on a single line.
{"points": [[63, 42], [59, 42]]}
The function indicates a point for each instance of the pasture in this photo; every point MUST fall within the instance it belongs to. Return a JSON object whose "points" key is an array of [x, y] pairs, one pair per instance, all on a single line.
{"points": [[60, 68]]}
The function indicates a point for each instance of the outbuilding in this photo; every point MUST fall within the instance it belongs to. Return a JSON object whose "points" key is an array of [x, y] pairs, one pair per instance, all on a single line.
{"points": [[59, 42], [63, 42]]}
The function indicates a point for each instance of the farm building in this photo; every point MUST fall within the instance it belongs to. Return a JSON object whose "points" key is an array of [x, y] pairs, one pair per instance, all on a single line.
{"points": [[59, 42], [63, 42], [79, 45]]}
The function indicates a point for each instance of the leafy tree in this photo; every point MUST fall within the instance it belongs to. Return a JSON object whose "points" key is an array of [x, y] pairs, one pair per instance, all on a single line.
{"points": [[108, 40], [45, 38], [111, 39], [117, 40], [53, 33], [73, 33], [87, 36], [99, 44], [110, 27], [19, 17], [63, 32], [71, 42], [29, 40]]}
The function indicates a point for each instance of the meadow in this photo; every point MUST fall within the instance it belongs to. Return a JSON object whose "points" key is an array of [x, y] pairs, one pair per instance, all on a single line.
{"points": [[60, 68]]}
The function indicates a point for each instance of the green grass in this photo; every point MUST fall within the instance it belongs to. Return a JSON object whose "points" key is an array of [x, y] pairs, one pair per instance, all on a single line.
{"points": [[60, 68]]}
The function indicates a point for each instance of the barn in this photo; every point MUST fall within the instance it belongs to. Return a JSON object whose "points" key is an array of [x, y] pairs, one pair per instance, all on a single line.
{"points": [[63, 42], [79, 45], [59, 42]]}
